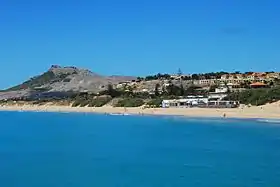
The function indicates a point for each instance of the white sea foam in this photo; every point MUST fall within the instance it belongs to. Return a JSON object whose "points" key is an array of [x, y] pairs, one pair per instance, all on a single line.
{"points": [[269, 120]]}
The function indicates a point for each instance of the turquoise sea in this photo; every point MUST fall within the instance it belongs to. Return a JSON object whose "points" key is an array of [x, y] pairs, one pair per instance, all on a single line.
{"points": [[87, 150]]}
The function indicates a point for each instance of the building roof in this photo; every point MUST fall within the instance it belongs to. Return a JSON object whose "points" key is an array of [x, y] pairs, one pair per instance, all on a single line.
{"points": [[259, 73], [258, 84]]}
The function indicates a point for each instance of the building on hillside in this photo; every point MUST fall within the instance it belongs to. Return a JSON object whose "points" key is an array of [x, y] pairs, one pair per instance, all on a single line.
{"points": [[250, 77], [166, 84], [206, 82], [239, 79], [258, 85], [239, 76], [259, 77], [232, 78], [227, 77], [123, 84], [272, 76], [232, 86], [219, 94], [253, 77], [224, 77], [234, 81], [221, 90], [176, 77]]}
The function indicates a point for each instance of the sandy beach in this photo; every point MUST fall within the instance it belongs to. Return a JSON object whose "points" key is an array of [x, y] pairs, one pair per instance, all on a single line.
{"points": [[269, 111]]}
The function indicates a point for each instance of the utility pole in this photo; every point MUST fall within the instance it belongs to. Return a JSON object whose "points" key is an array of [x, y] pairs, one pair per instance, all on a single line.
{"points": [[179, 72]]}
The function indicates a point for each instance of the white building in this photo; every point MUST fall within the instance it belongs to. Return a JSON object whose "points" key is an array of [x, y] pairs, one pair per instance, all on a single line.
{"points": [[219, 94], [205, 82], [189, 101], [221, 90]]}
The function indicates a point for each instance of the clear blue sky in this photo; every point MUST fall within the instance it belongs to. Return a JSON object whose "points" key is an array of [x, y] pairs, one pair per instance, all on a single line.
{"points": [[138, 37]]}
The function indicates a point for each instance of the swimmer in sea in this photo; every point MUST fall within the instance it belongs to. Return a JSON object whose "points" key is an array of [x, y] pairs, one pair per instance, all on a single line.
{"points": [[224, 115]]}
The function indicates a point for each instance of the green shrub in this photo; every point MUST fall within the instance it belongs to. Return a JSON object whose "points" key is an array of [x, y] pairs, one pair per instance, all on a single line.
{"points": [[99, 102], [76, 103], [155, 102], [256, 96], [130, 102], [84, 103]]}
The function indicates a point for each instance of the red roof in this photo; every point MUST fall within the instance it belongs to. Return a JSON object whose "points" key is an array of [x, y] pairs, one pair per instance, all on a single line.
{"points": [[258, 84]]}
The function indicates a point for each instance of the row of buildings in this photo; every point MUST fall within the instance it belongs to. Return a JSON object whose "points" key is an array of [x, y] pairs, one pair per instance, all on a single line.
{"points": [[198, 102], [213, 100], [234, 80], [251, 76], [237, 79]]}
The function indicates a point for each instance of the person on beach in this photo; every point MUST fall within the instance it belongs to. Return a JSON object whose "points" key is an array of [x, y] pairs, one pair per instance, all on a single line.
{"points": [[224, 115]]}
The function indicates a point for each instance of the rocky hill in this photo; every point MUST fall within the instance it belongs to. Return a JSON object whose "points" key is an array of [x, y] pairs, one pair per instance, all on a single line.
{"points": [[64, 79]]}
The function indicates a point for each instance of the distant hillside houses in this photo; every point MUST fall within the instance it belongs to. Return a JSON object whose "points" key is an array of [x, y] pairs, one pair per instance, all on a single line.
{"points": [[235, 80], [238, 78], [206, 81], [251, 77]]}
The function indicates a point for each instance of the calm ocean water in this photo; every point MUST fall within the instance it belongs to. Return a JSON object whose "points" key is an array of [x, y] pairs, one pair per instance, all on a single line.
{"points": [[85, 150]]}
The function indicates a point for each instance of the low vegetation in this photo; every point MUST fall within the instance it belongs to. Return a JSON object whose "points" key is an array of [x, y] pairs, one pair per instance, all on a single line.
{"points": [[130, 102], [99, 101], [212, 75], [90, 100], [154, 102], [256, 96]]}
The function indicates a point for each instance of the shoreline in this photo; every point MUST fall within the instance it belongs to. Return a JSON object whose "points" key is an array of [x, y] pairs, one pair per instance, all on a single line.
{"points": [[271, 111]]}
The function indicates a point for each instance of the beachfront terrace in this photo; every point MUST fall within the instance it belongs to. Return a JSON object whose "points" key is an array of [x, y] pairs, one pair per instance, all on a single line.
{"points": [[222, 104], [196, 101], [200, 103]]}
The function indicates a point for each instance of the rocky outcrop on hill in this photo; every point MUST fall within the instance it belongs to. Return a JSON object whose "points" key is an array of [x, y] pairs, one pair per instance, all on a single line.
{"points": [[64, 79]]}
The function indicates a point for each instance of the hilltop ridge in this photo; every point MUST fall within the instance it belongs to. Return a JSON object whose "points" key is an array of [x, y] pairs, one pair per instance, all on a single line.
{"points": [[69, 78]]}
